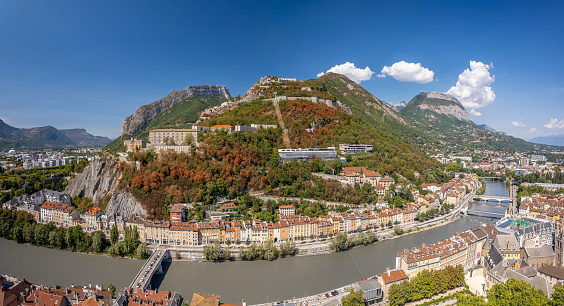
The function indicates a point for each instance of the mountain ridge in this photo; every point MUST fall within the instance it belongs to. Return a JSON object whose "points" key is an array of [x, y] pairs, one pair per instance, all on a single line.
{"points": [[143, 116], [47, 137], [554, 140]]}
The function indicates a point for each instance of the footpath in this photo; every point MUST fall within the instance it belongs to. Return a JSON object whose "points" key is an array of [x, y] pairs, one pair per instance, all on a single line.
{"points": [[285, 137]]}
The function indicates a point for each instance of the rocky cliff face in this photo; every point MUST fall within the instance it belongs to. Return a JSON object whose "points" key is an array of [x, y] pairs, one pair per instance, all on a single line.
{"points": [[437, 103], [100, 179], [146, 113], [97, 180], [454, 108], [124, 204]]}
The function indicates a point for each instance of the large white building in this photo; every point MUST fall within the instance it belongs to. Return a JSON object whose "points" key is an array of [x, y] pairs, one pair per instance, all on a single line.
{"points": [[171, 136]]}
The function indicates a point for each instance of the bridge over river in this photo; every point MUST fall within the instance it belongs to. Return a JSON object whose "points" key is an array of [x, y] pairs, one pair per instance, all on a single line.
{"points": [[151, 267], [497, 199], [482, 213]]}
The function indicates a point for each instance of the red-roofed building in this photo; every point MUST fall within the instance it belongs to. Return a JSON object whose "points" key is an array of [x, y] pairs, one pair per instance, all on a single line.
{"points": [[287, 210], [138, 297], [390, 277]]}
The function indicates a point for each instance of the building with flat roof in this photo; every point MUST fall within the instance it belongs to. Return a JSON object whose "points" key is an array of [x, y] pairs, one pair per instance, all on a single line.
{"points": [[287, 210], [328, 153], [371, 290]]}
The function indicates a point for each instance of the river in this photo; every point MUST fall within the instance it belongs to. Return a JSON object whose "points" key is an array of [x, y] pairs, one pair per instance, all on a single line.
{"points": [[234, 281]]}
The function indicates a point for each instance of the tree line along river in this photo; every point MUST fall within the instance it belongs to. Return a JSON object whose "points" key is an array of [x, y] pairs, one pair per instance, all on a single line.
{"points": [[253, 281]]}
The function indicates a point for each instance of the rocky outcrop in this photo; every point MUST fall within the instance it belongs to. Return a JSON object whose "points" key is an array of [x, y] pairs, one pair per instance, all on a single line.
{"points": [[453, 108], [97, 180], [146, 113], [437, 102], [124, 204]]}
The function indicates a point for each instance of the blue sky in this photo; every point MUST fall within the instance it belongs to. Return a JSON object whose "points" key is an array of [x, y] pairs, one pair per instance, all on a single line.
{"points": [[90, 64]]}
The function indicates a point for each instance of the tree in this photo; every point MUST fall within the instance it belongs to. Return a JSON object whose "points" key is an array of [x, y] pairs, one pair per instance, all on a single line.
{"points": [[112, 289], [354, 298], [453, 167], [141, 251], [516, 292], [398, 230], [470, 300], [98, 242], [189, 139], [340, 242], [114, 234], [399, 294], [557, 296]]}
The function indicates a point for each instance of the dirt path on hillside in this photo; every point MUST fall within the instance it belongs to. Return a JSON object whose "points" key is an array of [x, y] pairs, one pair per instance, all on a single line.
{"points": [[285, 137]]}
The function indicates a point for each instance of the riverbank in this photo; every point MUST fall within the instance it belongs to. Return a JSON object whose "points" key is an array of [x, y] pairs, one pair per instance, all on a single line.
{"points": [[323, 247]]}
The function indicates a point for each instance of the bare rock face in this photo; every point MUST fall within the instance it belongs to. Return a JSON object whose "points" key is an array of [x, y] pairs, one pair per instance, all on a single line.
{"points": [[124, 204], [146, 113], [97, 180], [454, 108]]}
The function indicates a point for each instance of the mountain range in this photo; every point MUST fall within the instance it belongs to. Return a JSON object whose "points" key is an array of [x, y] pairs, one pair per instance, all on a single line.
{"points": [[555, 140], [47, 137], [430, 121]]}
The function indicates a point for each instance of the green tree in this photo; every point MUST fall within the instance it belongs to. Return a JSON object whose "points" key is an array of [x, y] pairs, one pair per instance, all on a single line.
{"points": [[189, 139], [354, 298], [112, 289], [340, 242], [399, 294], [470, 300], [141, 251], [114, 234], [453, 167], [516, 292], [557, 296]]}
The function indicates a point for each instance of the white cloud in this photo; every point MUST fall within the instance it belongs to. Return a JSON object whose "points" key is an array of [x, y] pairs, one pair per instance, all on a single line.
{"points": [[348, 69], [408, 72], [518, 123], [555, 124], [473, 87], [475, 113], [532, 130]]}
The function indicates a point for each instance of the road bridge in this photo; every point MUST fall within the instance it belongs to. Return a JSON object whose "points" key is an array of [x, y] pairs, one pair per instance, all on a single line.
{"points": [[151, 267], [493, 178], [497, 199], [481, 213]]}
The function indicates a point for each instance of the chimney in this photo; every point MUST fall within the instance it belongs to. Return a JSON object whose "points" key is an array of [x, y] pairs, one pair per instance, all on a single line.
{"points": [[388, 271], [244, 303]]}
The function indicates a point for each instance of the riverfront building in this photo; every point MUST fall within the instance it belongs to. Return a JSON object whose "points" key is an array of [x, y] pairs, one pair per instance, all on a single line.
{"points": [[139, 296], [62, 215]]}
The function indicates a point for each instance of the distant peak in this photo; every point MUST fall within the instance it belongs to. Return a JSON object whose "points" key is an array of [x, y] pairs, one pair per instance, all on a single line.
{"points": [[440, 95]]}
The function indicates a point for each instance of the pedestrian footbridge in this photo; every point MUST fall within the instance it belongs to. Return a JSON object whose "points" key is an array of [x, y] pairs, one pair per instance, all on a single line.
{"points": [[151, 267]]}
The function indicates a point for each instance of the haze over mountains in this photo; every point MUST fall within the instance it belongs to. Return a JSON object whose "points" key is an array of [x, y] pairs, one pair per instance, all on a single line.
{"points": [[47, 137], [555, 140]]}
